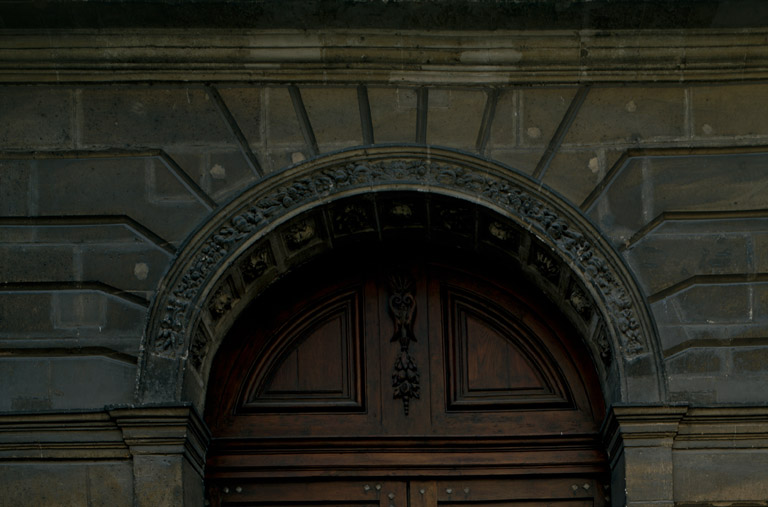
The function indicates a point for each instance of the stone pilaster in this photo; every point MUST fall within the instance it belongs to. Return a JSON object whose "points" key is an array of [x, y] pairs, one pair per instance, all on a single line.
{"points": [[168, 446], [639, 440]]}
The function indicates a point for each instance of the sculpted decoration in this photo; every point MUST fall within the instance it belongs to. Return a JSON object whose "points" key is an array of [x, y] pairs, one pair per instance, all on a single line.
{"points": [[570, 237]]}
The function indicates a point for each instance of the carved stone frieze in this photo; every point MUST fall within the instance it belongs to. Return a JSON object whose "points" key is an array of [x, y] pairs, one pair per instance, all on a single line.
{"points": [[299, 234], [222, 301], [580, 302], [255, 264], [351, 218], [169, 332], [198, 349], [546, 265]]}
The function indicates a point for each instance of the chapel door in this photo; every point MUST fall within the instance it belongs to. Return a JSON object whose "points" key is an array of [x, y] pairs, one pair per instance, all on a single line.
{"points": [[404, 383]]}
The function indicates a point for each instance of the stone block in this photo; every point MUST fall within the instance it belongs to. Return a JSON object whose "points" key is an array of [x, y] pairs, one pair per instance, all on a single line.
{"points": [[334, 115], [15, 189], [720, 475], [59, 484], [393, 113], [151, 117], [73, 384], [730, 111], [647, 186], [649, 473], [76, 309], [44, 484], [246, 103], [36, 118], [715, 304], [285, 144], [523, 160], [573, 174], [37, 263], [26, 384], [505, 127], [697, 361], [709, 254], [110, 484], [136, 268], [759, 303], [24, 314], [694, 389], [227, 174], [750, 359], [114, 186], [282, 123], [541, 111], [742, 389], [158, 480], [454, 117], [760, 252], [629, 115]]}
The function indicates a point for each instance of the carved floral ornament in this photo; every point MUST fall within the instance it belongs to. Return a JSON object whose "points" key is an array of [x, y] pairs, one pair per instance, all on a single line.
{"points": [[571, 237]]}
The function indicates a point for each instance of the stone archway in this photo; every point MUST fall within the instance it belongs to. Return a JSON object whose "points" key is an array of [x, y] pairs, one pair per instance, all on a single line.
{"points": [[289, 218]]}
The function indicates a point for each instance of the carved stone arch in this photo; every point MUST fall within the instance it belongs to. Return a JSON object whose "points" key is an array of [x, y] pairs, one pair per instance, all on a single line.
{"points": [[306, 210]]}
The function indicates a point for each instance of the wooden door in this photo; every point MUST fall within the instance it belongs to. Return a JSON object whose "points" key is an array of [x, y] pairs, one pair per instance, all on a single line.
{"points": [[352, 378]]}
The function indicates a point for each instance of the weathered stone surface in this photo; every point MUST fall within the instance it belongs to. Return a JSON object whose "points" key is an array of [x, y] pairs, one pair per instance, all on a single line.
{"points": [[750, 359], [505, 128], [393, 112], [246, 103], [629, 115], [50, 484], [33, 384], [715, 304], [720, 475], [524, 160], [151, 116], [41, 118], [711, 254], [541, 111], [573, 174], [70, 318], [647, 186], [334, 116], [285, 144], [110, 186], [730, 111], [697, 361], [35, 263], [454, 117]]}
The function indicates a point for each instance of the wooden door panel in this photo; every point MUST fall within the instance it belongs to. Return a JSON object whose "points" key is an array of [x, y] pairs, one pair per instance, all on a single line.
{"points": [[372, 493], [528, 492], [303, 389]]}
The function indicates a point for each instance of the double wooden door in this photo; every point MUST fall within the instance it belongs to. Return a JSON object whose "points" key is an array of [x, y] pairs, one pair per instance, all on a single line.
{"points": [[403, 384]]}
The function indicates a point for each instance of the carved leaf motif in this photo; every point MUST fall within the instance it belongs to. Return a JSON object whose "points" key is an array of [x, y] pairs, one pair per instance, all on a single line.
{"points": [[402, 307]]}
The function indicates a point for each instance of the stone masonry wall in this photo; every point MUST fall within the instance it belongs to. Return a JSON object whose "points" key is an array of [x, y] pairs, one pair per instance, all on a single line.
{"points": [[101, 184]]}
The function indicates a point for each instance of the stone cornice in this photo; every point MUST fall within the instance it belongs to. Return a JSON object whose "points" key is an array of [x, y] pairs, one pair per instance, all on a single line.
{"points": [[384, 57], [684, 427], [110, 434]]}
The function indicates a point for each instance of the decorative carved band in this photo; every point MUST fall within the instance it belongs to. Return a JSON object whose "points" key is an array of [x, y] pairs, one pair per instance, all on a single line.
{"points": [[568, 234], [402, 307]]}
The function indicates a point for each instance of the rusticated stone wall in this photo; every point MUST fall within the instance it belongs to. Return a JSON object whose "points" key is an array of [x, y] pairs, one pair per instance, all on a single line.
{"points": [[101, 183]]}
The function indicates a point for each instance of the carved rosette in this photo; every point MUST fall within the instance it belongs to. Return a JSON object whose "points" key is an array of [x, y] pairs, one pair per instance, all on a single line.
{"points": [[402, 308], [170, 330]]}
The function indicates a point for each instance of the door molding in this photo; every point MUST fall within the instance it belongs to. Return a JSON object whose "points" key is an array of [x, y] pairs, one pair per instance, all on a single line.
{"points": [[309, 209]]}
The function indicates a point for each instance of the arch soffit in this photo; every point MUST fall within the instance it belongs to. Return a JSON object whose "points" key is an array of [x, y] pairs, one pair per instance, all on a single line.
{"points": [[199, 298]]}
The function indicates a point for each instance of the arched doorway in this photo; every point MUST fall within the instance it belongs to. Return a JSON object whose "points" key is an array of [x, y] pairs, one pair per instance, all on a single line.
{"points": [[404, 373], [395, 197]]}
